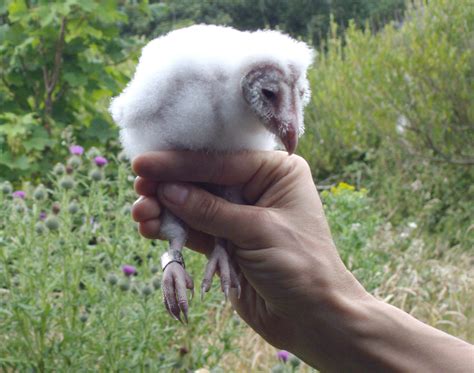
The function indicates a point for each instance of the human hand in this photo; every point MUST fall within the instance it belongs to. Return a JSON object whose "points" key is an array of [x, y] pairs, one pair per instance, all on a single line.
{"points": [[283, 245]]}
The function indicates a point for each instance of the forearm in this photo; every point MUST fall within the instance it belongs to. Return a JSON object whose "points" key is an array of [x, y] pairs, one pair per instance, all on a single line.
{"points": [[370, 335]]}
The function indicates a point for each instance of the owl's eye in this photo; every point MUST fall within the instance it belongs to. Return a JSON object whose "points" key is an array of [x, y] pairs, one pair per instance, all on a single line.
{"points": [[270, 95]]}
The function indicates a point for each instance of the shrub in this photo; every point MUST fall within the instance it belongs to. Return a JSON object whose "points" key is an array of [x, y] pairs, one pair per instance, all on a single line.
{"points": [[394, 111]]}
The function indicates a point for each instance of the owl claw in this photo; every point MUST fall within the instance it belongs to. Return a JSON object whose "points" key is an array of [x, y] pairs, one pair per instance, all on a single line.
{"points": [[220, 261], [175, 282]]}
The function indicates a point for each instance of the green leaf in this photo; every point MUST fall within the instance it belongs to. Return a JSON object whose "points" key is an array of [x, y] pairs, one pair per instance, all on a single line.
{"points": [[101, 130], [16, 10], [75, 79], [20, 162]]}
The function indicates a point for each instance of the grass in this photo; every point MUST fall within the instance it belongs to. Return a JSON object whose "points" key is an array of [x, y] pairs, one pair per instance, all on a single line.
{"points": [[65, 304]]}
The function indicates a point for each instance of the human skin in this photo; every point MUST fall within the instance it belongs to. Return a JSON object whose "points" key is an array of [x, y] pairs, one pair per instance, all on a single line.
{"points": [[296, 291]]}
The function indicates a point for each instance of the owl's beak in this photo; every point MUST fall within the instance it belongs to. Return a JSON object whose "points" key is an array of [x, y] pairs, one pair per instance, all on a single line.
{"points": [[290, 139]]}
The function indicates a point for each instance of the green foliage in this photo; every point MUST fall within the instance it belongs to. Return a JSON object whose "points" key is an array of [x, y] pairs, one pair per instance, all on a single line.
{"points": [[60, 64], [311, 24], [354, 223], [394, 111], [65, 304]]}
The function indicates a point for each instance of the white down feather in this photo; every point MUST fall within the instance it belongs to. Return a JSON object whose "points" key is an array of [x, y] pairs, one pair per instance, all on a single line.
{"points": [[186, 91]]}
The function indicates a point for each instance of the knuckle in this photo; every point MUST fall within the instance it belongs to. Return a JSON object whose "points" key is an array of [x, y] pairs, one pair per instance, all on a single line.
{"points": [[298, 163]]}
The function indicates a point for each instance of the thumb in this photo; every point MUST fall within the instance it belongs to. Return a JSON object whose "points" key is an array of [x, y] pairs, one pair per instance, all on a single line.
{"points": [[244, 225]]}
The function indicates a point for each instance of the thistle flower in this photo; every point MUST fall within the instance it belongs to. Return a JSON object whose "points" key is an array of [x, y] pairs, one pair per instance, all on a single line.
{"points": [[7, 187], [283, 355], [76, 150], [129, 270], [42, 215], [100, 161], [19, 194]]}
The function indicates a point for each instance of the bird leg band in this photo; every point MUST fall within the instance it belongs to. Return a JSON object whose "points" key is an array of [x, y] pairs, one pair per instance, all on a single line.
{"points": [[172, 256]]}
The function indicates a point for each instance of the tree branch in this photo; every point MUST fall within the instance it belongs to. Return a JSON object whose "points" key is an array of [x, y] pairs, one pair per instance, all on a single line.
{"points": [[51, 79]]}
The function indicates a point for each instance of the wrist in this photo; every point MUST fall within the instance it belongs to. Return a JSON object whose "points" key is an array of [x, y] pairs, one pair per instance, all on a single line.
{"points": [[331, 328], [365, 334]]}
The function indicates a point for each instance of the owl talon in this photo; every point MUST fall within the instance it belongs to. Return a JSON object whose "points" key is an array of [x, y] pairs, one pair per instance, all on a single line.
{"points": [[175, 283], [220, 261]]}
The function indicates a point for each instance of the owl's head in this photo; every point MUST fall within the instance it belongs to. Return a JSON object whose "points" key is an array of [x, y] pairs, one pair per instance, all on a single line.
{"points": [[277, 95]]}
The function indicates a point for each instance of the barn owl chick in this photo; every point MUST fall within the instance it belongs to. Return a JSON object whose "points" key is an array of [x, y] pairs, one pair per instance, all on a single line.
{"points": [[214, 89]]}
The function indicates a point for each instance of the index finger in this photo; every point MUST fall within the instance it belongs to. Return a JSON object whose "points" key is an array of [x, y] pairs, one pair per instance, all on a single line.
{"points": [[221, 169]]}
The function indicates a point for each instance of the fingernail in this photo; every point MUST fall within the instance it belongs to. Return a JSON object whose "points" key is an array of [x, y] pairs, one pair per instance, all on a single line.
{"points": [[141, 198], [176, 194]]}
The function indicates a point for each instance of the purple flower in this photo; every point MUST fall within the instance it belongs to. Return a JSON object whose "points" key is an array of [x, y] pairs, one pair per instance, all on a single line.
{"points": [[128, 270], [76, 150], [19, 194], [42, 215], [283, 355], [100, 161]]}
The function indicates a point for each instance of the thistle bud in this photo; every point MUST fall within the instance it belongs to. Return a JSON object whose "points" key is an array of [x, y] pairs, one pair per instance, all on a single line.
{"points": [[59, 169], [40, 228], [156, 282], [124, 284], [147, 290], [155, 269], [112, 279], [73, 207], [75, 162], [122, 157], [20, 206], [294, 361], [7, 187], [40, 193], [56, 208], [66, 182], [96, 174], [52, 223], [84, 317], [127, 209]]}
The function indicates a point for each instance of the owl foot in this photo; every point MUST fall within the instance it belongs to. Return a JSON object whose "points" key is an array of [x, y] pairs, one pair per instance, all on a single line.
{"points": [[174, 284], [221, 261]]}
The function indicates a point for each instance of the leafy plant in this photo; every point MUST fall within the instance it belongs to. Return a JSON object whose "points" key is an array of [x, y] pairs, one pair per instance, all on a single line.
{"points": [[60, 64]]}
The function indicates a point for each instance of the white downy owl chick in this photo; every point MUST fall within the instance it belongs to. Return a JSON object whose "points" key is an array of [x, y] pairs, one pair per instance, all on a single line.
{"points": [[216, 89]]}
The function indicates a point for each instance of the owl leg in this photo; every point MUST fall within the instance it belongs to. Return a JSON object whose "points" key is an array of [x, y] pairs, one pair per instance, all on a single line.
{"points": [[221, 261], [175, 278]]}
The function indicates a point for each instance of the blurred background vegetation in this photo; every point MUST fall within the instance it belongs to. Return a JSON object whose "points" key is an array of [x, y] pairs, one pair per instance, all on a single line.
{"points": [[392, 115], [393, 95]]}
